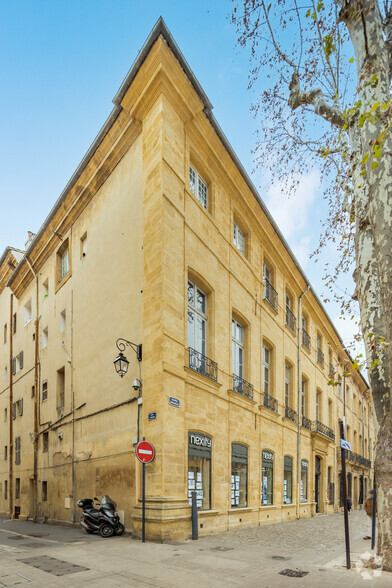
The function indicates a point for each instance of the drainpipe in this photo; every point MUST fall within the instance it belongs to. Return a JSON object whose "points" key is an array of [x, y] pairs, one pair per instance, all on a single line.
{"points": [[299, 403], [11, 457], [363, 451]]}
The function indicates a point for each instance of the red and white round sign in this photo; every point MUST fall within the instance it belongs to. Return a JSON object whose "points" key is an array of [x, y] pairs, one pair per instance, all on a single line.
{"points": [[145, 452]]}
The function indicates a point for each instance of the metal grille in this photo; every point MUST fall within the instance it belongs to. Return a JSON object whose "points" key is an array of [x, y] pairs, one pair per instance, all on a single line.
{"points": [[323, 429], [270, 402], [320, 357], [202, 364], [242, 387], [290, 414], [306, 340], [293, 573], [270, 294], [291, 321], [306, 423]]}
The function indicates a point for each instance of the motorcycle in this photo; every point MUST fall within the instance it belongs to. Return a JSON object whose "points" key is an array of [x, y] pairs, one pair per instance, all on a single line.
{"points": [[104, 520]]}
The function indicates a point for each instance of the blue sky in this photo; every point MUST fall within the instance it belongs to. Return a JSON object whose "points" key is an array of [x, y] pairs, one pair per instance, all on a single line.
{"points": [[61, 63]]}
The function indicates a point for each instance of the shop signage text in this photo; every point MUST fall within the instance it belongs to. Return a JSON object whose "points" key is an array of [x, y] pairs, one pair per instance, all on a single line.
{"points": [[199, 440], [268, 455]]}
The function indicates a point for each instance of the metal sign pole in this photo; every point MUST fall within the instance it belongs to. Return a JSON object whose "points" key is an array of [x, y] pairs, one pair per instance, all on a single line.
{"points": [[144, 505], [343, 480], [195, 530]]}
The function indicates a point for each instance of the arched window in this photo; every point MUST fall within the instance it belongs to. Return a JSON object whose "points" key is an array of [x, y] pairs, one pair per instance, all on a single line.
{"points": [[288, 480], [199, 469], [239, 475], [304, 480], [267, 477]]}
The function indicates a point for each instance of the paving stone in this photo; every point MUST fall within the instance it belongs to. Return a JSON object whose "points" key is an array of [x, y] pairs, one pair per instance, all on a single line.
{"points": [[54, 566], [13, 580]]}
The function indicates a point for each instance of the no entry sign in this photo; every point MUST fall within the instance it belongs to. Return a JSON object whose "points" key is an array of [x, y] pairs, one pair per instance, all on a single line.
{"points": [[145, 452]]}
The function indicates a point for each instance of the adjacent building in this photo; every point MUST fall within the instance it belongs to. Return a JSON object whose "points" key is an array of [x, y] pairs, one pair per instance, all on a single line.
{"points": [[160, 238]]}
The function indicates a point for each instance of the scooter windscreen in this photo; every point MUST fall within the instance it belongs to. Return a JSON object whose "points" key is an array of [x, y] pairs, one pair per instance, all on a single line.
{"points": [[109, 502]]}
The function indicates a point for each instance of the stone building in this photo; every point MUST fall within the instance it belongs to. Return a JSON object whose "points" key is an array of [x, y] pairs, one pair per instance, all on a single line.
{"points": [[161, 238]]}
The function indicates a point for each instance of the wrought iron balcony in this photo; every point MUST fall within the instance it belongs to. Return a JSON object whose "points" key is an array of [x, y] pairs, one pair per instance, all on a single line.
{"points": [[270, 402], [306, 340], [320, 357], [242, 387], [306, 423], [203, 365], [270, 294], [354, 457], [291, 321], [331, 371], [318, 427], [290, 414]]}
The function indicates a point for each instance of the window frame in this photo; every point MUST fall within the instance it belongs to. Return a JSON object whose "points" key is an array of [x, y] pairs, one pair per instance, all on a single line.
{"points": [[198, 313], [239, 238], [264, 461], [288, 469], [237, 460], [237, 345], [200, 189]]}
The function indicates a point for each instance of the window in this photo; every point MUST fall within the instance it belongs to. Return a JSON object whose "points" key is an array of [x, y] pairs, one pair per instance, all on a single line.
{"points": [[83, 246], [237, 347], [199, 469], [62, 261], [288, 480], [60, 387], [304, 480], [17, 450], [32, 391], [330, 413], [17, 488], [45, 289], [5, 452], [238, 238], [5, 374], [45, 337], [44, 491], [27, 312], [45, 442], [197, 318], [270, 293], [267, 477], [14, 323], [340, 388], [303, 397], [20, 406], [287, 384], [354, 404], [63, 321], [198, 187], [239, 475], [318, 404], [44, 391], [320, 354], [266, 369], [291, 321], [5, 333], [331, 487], [5, 490], [5, 415], [306, 342]]}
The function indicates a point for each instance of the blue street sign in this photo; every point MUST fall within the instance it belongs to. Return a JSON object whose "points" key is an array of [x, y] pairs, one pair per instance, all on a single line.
{"points": [[174, 401], [152, 416]]}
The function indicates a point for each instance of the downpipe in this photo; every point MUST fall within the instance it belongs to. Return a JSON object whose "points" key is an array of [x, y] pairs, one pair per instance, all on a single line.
{"points": [[299, 403]]}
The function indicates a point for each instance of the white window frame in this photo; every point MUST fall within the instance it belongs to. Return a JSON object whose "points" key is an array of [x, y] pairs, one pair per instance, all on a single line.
{"points": [[64, 268], [238, 238], [198, 187], [266, 369], [303, 397], [237, 348], [287, 384], [318, 396], [199, 318]]}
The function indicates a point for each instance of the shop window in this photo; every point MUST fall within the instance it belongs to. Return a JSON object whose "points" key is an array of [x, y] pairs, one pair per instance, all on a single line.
{"points": [[304, 480], [197, 318], [17, 488], [267, 477], [199, 469], [17, 450], [198, 186], [60, 387], [238, 238], [27, 312], [288, 480], [239, 475], [44, 491]]}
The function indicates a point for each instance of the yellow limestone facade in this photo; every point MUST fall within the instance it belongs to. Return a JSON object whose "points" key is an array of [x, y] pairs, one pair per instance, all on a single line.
{"points": [[160, 238]]}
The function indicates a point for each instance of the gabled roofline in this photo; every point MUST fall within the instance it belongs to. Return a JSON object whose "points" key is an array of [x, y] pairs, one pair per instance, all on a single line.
{"points": [[7, 250], [160, 28]]}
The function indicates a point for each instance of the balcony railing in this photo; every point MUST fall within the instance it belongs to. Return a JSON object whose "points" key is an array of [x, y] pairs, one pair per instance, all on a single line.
{"points": [[270, 294], [320, 356], [354, 457], [306, 340], [270, 402], [318, 427], [290, 414], [242, 387], [331, 371], [203, 365], [306, 423], [291, 321]]}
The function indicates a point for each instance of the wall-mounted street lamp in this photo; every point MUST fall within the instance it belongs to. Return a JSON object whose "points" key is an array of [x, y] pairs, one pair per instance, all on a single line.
{"points": [[121, 363]]}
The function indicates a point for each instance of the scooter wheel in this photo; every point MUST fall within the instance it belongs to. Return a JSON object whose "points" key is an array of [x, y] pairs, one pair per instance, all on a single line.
{"points": [[106, 530], [119, 529]]}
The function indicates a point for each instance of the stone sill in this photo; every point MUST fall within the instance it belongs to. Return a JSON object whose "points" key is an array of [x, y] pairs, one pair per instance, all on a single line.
{"points": [[202, 377], [239, 396], [207, 513], [240, 509], [269, 507], [292, 505]]}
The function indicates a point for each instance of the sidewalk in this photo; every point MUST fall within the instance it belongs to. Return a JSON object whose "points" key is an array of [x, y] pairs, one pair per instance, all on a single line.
{"points": [[235, 558]]}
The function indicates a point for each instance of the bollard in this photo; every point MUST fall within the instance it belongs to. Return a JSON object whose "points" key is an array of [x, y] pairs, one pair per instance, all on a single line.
{"points": [[195, 530]]}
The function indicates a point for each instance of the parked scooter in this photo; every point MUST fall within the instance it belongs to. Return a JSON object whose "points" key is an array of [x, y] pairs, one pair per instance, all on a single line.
{"points": [[104, 521]]}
